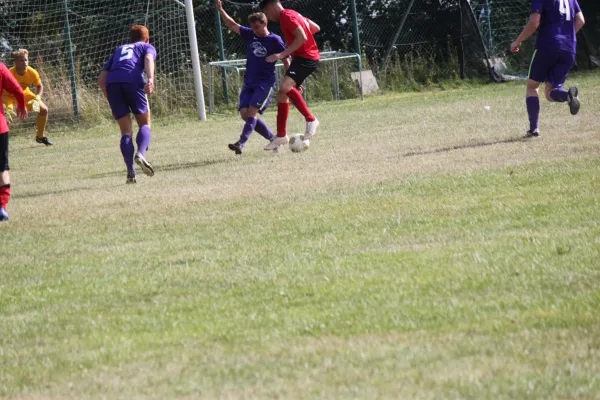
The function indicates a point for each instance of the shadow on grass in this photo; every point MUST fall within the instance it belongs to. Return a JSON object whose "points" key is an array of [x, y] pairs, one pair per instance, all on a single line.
{"points": [[196, 164], [167, 167], [55, 192], [464, 146]]}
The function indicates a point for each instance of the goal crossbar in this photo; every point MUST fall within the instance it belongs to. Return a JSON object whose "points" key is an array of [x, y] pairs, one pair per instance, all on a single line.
{"points": [[239, 66]]}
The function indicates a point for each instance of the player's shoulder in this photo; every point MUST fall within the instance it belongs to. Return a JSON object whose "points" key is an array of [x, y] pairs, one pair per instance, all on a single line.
{"points": [[145, 48], [32, 70], [150, 48], [274, 36], [290, 14], [143, 45], [246, 33]]}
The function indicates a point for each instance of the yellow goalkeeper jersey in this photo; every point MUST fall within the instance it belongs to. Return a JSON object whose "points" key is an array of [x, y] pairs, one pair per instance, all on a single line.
{"points": [[29, 78]]}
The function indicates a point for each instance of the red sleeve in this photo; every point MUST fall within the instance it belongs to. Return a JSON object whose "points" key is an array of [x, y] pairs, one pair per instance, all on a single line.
{"points": [[10, 84], [290, 21]]}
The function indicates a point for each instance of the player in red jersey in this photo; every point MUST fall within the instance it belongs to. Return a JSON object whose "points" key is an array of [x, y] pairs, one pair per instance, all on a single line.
{"points": [[298, 32], [10, 84]]}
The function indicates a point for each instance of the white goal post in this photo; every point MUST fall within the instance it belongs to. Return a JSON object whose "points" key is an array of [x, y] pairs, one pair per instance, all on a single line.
{"points": [[239, 66], [200, 105]]}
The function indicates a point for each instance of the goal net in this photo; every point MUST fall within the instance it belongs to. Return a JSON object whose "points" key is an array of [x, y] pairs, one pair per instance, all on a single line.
{"points": [[337, 77], [69, 42]]}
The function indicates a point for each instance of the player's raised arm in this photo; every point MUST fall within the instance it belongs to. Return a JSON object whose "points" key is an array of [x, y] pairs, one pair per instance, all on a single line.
{"points": [[149, 69], [230, 22]]}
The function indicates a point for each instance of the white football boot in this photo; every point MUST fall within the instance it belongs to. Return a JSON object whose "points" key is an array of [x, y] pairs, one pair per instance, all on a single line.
{"points": [[144, 164], [275, 143], [311, 129]]}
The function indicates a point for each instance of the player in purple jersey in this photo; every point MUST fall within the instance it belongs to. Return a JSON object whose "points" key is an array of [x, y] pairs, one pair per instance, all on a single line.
{"points": [[122, 81], [558, 22], [260, 77]]}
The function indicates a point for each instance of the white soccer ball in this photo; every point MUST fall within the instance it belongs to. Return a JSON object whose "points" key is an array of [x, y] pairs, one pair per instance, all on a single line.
{"points": [[298, 144]]}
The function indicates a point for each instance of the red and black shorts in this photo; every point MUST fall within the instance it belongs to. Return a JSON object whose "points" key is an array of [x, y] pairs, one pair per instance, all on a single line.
{"points": [[4, 152]]}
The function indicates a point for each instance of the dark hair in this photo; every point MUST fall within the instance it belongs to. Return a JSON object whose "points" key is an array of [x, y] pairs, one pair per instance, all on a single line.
{"points": [[264, 3]]}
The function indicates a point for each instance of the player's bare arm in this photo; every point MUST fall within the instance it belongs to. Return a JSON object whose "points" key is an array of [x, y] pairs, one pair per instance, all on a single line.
{"points": [[286, 64], [314, 28], [102, 82], [39, 90], [299, 39], [532, 26], [230, 22], [149, 69], [579, 21]]}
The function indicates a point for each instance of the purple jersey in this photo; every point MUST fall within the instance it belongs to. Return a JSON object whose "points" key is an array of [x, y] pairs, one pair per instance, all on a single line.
{"points": [[557, 24], [258, 70], [127, 64]]}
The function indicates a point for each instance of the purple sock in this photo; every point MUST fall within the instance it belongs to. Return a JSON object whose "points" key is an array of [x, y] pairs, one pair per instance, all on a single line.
{"points": [[247, 131], [143, 139], [533, 109], [559, 95], [127, 150], [264, 130]]}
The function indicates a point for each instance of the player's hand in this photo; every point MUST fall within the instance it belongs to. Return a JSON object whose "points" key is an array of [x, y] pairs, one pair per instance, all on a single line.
{"points": [[35, 103], [301, 89], [21, 113], [9, 114], [274, 58], [515, 47], [219, 5], [149, 88]]}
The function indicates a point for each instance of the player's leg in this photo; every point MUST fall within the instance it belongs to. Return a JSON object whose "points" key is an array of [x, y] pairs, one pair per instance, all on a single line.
{"points": [[532, 100], [246, 95], [538, 71], [248, 114], [138, 103], [127, 147], [300, 69], [557, 77], [143, 142], [261, 98], [121, 113], [40, 123], [237, 147], [261, 103], [4, 177], [283, 113]]}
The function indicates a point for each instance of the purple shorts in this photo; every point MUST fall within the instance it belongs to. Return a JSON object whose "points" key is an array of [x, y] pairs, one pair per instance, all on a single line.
{"points": [[125, 98], [256, 96], [551, 66]]}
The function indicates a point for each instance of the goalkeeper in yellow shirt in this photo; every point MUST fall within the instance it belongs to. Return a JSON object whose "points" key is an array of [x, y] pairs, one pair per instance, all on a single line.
{"points": [[27, 77]]}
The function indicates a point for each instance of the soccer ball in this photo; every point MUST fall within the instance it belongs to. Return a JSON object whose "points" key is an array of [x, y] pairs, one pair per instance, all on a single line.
{"points": [[298, 144]]}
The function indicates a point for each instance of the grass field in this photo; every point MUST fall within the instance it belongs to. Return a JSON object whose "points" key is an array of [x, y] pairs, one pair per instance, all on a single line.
{"points": [[419, 249]]}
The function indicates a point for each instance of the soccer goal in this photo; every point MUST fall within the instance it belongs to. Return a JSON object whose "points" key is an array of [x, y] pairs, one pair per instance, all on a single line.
{"points": [[70, 40], [333, 79]]}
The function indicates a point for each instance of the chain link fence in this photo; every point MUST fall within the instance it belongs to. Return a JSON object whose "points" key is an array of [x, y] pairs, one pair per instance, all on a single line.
{"points": [[406, 43]]}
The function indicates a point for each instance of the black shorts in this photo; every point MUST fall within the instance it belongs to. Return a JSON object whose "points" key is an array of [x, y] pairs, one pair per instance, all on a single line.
{"points": [[301, 68], [4, 152]]}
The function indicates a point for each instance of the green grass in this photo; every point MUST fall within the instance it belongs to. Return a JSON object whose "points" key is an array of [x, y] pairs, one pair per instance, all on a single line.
{"points": [[419, 249]]}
